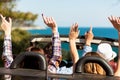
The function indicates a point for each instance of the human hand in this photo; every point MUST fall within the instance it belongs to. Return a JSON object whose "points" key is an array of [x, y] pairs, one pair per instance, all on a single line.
{"points": [[6, 25], [115, 22], [50, 22], [89, 37], [74, 32]]}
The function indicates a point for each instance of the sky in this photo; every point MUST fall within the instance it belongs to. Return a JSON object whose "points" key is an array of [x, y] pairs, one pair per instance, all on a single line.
{"points": [[66, 12]]}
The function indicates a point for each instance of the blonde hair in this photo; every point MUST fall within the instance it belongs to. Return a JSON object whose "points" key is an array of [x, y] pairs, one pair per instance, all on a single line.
{"points": [[94, 68]]}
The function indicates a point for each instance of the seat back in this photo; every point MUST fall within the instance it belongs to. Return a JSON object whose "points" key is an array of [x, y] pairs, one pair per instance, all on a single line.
{"points": [[94, 59], [31, 60]]}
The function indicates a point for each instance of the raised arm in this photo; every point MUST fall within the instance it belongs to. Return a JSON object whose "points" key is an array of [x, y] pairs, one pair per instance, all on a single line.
{"points": [[74, 33], [7, 47], [56, 44], [116, 23], [88, 39]]}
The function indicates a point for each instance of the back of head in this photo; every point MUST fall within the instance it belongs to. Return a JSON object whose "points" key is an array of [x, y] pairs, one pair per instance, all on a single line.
{"points": [[94, 68], [46, 51], [36, 49]]}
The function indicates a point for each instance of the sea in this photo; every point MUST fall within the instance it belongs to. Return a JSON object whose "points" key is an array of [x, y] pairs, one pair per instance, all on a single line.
{"points": [[107, 32]]}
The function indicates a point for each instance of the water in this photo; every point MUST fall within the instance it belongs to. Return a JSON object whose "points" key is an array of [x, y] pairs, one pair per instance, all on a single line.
{"points": [[98, 32]]}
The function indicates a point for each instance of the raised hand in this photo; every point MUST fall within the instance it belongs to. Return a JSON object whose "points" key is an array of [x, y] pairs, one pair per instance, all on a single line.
{"points": [[74, 32], [89, 37], [6, 25], [50, 22], [115, 22]]}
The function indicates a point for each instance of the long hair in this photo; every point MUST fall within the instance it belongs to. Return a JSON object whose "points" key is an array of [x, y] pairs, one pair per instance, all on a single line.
{"points": [[94, 68]]}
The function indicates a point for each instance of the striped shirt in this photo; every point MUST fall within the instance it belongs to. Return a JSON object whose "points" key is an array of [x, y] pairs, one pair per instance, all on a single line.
{"points": [[53, 65], [7, 52]]}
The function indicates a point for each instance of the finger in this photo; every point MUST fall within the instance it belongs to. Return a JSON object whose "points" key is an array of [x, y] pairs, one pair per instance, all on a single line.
{"points": [[50, 20], [76, 27], [113, 18], [46, 21], [90, 29], [118, 20], [53, 21], [42, 15], [109, 18], [44, 18], [3, 18], [10, 20], [72, 28]]}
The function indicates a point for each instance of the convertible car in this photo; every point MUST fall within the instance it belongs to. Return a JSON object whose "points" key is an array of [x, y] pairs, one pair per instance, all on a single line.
{"points": [[27, 72]]}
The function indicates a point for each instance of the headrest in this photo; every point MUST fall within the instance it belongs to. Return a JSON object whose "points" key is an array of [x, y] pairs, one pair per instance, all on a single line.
{"points": [[32, 60], [82, 61]]}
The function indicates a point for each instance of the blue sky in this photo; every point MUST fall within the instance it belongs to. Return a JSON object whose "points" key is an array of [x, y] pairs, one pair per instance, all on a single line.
{"points": [[66, 12]]}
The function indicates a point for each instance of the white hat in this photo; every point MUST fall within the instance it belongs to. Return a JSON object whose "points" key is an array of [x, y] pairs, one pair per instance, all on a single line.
{"points": [[106, 50]]}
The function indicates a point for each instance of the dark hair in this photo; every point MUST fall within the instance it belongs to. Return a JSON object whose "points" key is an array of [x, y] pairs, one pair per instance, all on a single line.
{"points": [[48, 50], [35, 49]]}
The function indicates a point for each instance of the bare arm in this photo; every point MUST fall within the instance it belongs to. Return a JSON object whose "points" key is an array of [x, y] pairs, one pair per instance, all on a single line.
{"points": [[116, 23], [117, 73], [88, 39], [74, 32]]}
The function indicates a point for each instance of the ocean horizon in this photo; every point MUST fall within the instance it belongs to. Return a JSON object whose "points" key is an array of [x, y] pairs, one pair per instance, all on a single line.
{"points": [[107, 32]]}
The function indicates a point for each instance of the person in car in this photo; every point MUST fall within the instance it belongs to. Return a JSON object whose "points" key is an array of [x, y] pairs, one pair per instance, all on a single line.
{"points": [[56, 58], [74, 32]]}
